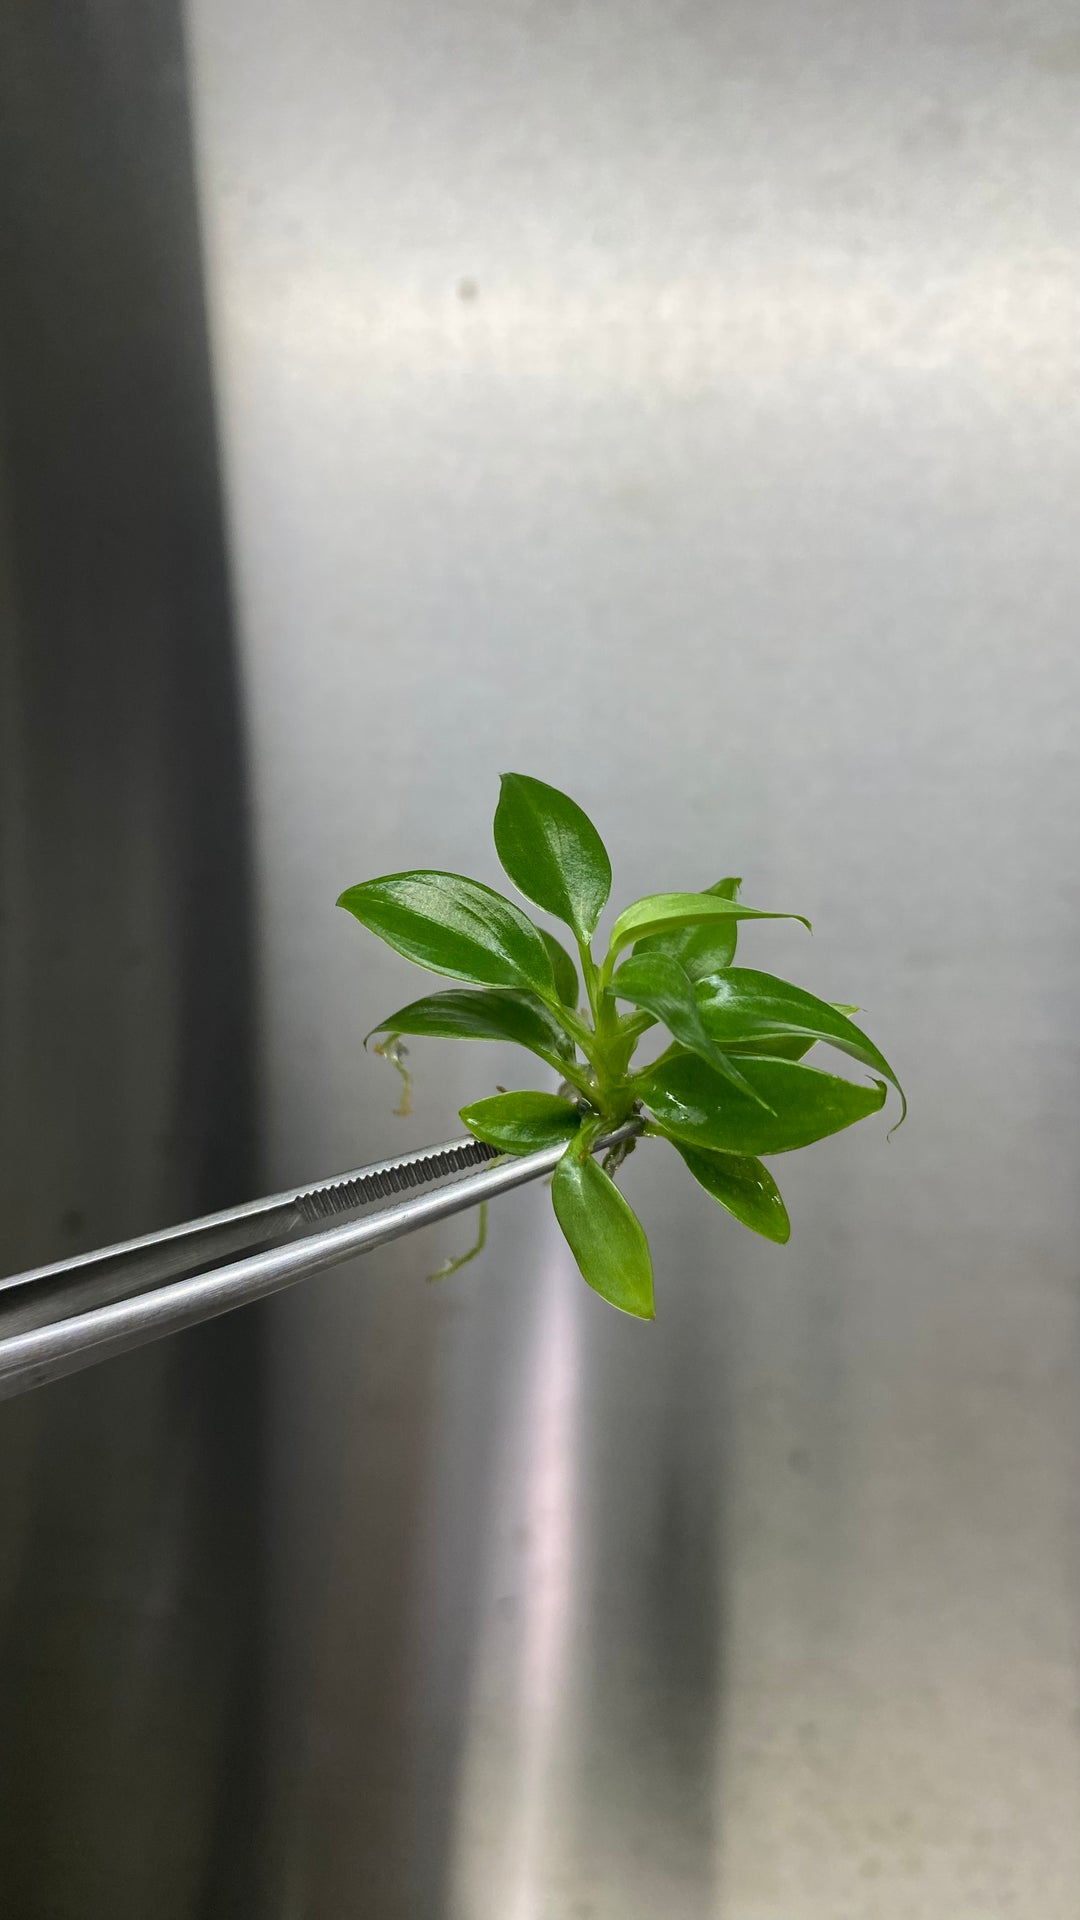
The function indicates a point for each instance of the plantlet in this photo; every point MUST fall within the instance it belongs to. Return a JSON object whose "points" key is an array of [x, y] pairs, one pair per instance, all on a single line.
{"points": [[732, 1085]]}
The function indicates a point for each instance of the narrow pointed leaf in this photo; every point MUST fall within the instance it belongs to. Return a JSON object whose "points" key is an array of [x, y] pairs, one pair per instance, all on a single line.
{"points": [[658, 912], [744, 1186], [744, 1008], [700, 950], [552, 852], [566, 977], [522, 1122], [785, 1046], [776, 1047], [693, 1103], [454, 926], [484, 1013], [657, 983], [605, 1236]]}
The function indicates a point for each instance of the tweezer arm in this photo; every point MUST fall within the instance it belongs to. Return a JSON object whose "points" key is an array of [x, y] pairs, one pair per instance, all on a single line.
{"points": [[46, 1353], [90, 1280]]}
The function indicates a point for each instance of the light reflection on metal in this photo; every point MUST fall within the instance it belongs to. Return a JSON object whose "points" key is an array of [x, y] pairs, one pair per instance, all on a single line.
{"points": [[533, 1566]]}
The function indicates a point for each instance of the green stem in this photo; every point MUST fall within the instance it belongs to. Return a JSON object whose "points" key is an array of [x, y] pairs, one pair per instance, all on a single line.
{"points": [[583, 1037], [574, 1076], [613, 1096], [579, 1033], [661, 1058], [588, 973]]}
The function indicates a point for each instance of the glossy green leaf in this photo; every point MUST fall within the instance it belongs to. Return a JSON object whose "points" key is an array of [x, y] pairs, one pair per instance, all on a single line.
{"points": [[552, 852], [742, 1007], [633, 1025], [660, 911], [657, 983], [484, 1013], [522, 1122], [454, 926], [691, 1101], [700, 950], [778, 1047], [566, 977], [731, 1087], [742, 1185], [786, 1046], [605, 1236]]}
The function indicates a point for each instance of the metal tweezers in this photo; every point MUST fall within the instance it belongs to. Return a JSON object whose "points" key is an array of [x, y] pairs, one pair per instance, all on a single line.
{"points": [[57, 1319]]}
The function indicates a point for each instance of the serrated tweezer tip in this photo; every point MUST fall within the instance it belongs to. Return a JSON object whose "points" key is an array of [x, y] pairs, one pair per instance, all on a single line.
{"points": [[394, 1176]]}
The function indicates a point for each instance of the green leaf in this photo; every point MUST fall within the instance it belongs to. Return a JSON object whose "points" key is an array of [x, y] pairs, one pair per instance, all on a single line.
{"points": [[484, 1013], [660, 911], [633, 1025], [566, 980], [658, 984], [522, 1122], [743, 1186], [742, 1007], [454, 926], [780, 1047], [692, 1102], [708, 949], [552, 852], [701, 951], [605, 1236], [786, 1046]]}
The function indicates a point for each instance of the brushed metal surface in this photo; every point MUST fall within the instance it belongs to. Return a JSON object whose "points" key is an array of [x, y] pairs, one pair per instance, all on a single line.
{"points": [[33, 1356], [130, 1514], [680, 403]]}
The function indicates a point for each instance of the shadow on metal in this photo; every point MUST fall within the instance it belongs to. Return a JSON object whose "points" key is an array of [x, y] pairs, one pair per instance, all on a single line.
{"points": [[130, 1514]]}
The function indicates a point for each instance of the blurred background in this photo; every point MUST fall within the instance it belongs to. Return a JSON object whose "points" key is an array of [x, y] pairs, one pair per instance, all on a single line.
{"points": [[678, 402]]}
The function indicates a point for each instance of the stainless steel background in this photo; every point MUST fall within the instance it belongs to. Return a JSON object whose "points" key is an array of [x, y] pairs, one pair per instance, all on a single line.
{"points": [[679, 402], [130, 1508]]}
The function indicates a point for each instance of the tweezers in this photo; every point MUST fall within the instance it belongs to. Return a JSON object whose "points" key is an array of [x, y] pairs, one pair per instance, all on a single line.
{"points": [[57, 1319]]}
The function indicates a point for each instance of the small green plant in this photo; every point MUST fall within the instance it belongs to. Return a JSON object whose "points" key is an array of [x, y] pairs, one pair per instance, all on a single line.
{"points": [[731, 1086]]}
